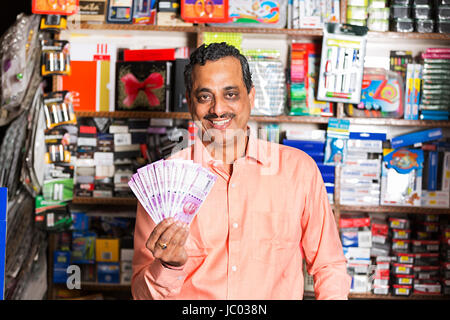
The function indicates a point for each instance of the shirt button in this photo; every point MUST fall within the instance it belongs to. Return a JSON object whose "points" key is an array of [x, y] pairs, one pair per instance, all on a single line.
{"points": [[233, 185], [235, 225], [180, 277], [234, 268]]}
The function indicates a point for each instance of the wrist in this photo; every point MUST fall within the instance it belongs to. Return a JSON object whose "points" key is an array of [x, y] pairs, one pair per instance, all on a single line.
{"points": [[172, 267]]}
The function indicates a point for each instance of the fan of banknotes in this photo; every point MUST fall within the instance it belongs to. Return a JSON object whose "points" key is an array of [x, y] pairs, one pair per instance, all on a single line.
{"points": [[172, 188]]}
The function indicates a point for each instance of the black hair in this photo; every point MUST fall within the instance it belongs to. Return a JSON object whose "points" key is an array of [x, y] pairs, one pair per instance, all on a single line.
{"points": [[214, 52]]}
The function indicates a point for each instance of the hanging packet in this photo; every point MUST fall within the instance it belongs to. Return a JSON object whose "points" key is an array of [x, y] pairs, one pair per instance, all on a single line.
{"points": [[269, 80], [342, 63], [336, 143]]}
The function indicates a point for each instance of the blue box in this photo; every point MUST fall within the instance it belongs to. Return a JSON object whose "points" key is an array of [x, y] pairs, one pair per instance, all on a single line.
{"points": [[83, 247], [329, 189], [432, 170], [416, 137], [327, 177], [306, 145], [325, 168], [80, 221], [3, 225], [108, 272], [368, 136], [61, 261]]}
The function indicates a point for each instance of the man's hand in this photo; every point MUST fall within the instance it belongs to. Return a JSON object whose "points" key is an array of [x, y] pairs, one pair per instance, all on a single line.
{"points": [[167, 241]]}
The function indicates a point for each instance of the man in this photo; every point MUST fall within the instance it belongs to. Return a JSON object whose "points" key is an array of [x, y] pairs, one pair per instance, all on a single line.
{"points": [[268, 209]]}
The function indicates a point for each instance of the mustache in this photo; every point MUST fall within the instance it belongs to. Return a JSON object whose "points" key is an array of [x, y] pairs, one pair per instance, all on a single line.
{"points": [[215, 116]]}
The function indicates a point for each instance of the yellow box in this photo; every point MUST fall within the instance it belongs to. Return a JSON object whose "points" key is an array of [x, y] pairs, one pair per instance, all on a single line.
{"points": [[107, 250]]}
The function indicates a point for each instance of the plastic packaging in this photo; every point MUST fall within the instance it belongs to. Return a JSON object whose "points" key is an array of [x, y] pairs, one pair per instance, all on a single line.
{"points": [[422, 2], [443, 13], [378, 25], [421, 11], [257, 14], [402, 25], [357, 22], [19, 55], [381, 95], [269, 80], [443, 26], [356, 12], [400, 12], [401, 2], [379, 13], [424, 25], [341, 64]]}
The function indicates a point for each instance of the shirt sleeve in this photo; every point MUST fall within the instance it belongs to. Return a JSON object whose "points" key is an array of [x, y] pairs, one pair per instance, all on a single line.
{"points": [[321, 244], [151, 280]]}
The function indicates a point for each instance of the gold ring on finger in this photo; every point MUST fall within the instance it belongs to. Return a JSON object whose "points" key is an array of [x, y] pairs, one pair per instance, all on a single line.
{"points": [[162, 245]]}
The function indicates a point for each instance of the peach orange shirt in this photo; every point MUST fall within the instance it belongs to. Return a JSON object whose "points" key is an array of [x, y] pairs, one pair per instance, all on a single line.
{"points": [[250, 236]]}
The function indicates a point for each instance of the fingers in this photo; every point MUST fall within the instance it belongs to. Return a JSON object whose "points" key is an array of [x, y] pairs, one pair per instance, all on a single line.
{"points": [[157, 232], [174, 235]]}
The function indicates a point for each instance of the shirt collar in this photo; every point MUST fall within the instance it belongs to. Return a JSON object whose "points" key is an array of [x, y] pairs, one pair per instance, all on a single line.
{"points": [[256, 150]]}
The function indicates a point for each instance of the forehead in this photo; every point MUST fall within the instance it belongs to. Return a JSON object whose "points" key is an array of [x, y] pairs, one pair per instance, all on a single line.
{"points": [[224, 71]]}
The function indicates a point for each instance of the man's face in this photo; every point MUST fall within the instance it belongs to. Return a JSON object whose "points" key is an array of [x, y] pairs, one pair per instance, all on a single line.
{"points": [[219, 99]]}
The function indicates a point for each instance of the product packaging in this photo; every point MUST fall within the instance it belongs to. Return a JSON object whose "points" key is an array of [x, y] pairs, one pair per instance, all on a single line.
{"points": [[336, 143], [270, 82], [119, 11], [205, 11], [341, 66], [381, 95], [401, 178], [55, 57]]}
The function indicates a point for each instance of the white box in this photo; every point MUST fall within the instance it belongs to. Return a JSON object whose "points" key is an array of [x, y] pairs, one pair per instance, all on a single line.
{"points": [[446, 172]]}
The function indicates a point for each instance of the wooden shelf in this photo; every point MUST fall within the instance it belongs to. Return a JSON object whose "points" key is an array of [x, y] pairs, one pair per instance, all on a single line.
{"points": [[314, 33], [371, 296], [277, 119], [112, 201], [413, 296], [126, 27], [418, 210], [398, 122], [133, 114]]}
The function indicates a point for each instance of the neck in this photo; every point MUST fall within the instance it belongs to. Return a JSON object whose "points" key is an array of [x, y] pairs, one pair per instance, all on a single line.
{"points": [[228, 152]]}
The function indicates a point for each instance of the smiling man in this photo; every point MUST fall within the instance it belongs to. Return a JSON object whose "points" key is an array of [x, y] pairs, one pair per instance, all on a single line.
{"points": [[267, 212]]}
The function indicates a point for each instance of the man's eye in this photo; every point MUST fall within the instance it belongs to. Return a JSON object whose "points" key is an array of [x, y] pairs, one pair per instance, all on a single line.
{"points": [[231, 95], [204, 97]]}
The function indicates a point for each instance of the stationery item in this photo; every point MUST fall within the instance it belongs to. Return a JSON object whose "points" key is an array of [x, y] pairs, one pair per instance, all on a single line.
{"points": [[313, 14], [342, 61], [336, 143], [259, 13], [305, 64], [92, 10], [381, 95], [144, 12], [53, 22], [172, 188], [204, 11], [58, 109], [143, 85], [93, 75], [55, 57], [61, 7], [269, 79], [119, 11], [401, 177]]}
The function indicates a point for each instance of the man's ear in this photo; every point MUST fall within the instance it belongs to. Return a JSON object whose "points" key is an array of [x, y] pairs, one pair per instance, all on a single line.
{"points": [[251, 97]]}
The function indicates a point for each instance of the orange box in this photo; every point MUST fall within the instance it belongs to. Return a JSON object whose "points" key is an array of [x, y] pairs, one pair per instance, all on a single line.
{"points": [[107, 250]]}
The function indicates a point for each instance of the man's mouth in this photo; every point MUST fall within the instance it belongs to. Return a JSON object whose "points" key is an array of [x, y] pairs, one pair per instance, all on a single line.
{"points": [[220, 123]]}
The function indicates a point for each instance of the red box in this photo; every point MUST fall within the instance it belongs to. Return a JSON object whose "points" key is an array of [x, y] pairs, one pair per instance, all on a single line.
{"points": [[353, 222]]}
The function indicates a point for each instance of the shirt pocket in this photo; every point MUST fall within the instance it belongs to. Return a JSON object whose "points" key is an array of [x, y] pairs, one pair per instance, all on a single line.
{"points": [[194, 249], [275, 236]]}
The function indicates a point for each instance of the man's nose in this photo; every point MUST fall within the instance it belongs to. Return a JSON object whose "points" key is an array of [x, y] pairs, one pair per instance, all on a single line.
{"points": [[220, 106]]}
